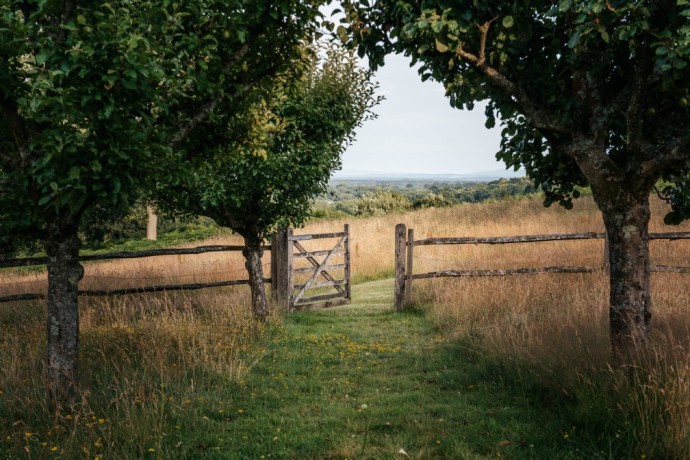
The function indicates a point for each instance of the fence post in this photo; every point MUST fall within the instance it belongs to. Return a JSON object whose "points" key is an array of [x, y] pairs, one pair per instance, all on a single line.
{"points": [[289, 284], [607, 264], [151, 224], [410, 256], [274, 265], [400, 231], [281, 252], [348, 291]]}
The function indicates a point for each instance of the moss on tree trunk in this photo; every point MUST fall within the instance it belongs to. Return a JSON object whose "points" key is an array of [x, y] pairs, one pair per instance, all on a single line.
{"points": [[630, 311], [252, 253], [64, 274]]}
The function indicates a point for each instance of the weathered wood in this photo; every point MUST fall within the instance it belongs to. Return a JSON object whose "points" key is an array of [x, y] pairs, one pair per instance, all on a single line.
{"points": [[313, 254], [669, 236], [348, 285], [410, 263], [315, 265], [301, 271], [399, 292], [30, 261], [23, 262], [274, 267], [281, 266], [319, 270], [504, 272], [334, 284], [289, 280], [318, 298], [668, 269], [21, 297], [327, 304], [168, 287], [317, 236], [136, 290], [510, 239], [607, 263], [151, 224]]}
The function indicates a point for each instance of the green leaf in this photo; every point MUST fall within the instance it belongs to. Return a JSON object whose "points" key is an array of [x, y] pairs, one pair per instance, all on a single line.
{"points": [[342, 34], [441, 47], [605, 35], [508, 22], [564, 5]]}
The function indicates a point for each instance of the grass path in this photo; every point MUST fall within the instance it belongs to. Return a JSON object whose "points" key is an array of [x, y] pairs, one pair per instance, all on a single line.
{"points": [[365, 382]]}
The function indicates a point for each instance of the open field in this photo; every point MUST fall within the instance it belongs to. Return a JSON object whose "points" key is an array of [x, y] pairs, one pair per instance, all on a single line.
{"points": [[526, 358], [372, 246]]}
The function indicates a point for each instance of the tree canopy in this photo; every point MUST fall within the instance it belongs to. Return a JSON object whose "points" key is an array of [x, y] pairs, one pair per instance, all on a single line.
{"points": [[587, 91], [263, 168], [95, 99]]}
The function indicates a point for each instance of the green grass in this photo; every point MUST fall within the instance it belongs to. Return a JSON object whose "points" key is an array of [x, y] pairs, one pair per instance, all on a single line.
{"points": [[365, 382], [359, 381]]}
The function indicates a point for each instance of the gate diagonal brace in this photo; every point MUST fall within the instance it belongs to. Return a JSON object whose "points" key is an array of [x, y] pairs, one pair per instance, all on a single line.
{"points": [[319, 270], [316, 264]]}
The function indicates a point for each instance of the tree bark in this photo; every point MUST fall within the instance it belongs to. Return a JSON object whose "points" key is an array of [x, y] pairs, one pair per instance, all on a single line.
{"points": [[64, 274], [627, 221], [252, 253]]}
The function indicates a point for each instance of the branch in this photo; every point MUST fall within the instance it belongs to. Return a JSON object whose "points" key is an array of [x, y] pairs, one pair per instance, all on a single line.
{"points": [[638, 88], [675, 153], [19, 136], [206, 109], [539, 117], [67, 7]]}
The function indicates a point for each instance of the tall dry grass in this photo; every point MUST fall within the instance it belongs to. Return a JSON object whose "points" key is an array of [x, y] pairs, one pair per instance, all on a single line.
{"points": [[143, 359], [552, 329], [154, 351]]}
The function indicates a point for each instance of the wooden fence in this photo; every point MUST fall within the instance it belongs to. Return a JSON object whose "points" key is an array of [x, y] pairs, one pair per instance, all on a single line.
{"points": [[288, 248], [283, 270], [404, 258], [34, 261]]}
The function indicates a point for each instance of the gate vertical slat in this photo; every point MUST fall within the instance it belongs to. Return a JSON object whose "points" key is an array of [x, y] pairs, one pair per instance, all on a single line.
{"points": [[400, 234], [348, 290], [410, 259], [289, 282], [281, 267]]}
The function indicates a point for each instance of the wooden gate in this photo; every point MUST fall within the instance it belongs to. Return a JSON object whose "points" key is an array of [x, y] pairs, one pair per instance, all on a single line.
{"points": [[297, 271]]}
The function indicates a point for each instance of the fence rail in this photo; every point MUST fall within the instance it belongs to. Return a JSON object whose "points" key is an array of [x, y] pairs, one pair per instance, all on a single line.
{"points": [[404, 257], [34, 261]]}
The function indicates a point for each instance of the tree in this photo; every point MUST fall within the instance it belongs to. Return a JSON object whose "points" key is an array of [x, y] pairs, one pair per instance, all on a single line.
{"points": [[263, 168], [589, 92], [381, 203], [95, 98]]}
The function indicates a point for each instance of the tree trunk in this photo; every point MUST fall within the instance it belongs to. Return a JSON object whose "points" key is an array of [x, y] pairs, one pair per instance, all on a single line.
{"points": [[252, 253], [630, 311], [64, 273]]}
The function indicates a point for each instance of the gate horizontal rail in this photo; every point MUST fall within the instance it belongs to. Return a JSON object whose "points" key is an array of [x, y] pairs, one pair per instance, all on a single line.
{"points": [[292, 294]]}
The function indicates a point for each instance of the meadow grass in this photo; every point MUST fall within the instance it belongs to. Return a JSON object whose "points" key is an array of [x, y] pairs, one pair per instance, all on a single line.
{"points": [[517, 367]]}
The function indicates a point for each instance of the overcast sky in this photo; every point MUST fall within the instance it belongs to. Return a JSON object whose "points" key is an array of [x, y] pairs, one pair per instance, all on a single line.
{"points": [[418, 132]]}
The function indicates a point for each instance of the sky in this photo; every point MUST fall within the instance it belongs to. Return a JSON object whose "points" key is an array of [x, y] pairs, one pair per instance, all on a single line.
{"points": [[418, 132]]}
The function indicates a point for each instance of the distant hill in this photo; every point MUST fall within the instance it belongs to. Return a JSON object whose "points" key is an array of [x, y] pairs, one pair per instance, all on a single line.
{"points": [[482, 176]]}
